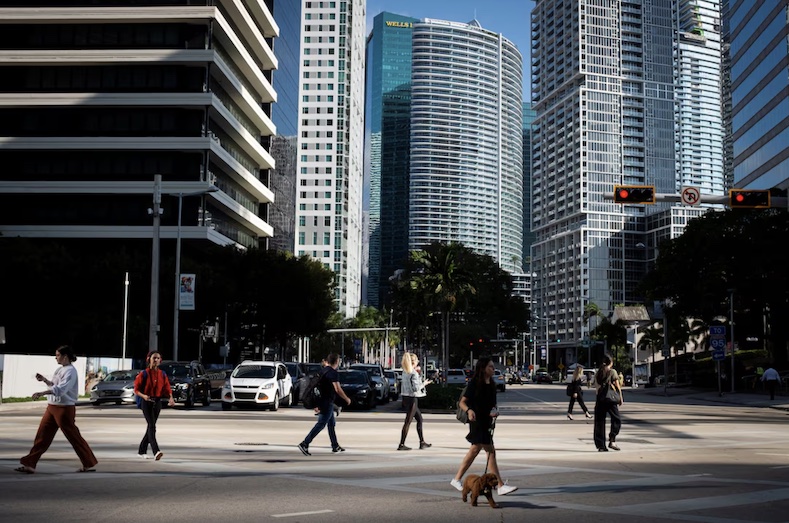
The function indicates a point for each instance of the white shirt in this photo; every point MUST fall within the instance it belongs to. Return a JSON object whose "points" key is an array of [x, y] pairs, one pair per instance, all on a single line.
{"points": [[65, 385], [770, 374]]}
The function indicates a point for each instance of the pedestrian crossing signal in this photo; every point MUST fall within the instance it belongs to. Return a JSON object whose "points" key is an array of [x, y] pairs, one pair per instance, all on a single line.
{"points": [[634, 194], [749, 198]]}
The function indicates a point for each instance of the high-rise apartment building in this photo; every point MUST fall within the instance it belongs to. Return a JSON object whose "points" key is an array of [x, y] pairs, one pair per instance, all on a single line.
{"points": [[758, 81], [387, 148], [625, 93], [466, 164], [331, 137], [96, 100]]}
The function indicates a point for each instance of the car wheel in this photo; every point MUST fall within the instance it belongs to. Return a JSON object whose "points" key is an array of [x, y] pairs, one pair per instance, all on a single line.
{"points": [[275, 404], [95, 403], [190, 399], [207, 398], [226, 405], [287, 401]]}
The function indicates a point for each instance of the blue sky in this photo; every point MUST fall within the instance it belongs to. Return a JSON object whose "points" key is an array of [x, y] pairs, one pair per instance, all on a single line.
{"points": [[508, 17]]}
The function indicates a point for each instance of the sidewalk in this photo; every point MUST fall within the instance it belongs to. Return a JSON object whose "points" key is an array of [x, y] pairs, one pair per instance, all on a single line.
{"points": [[745, 399]]}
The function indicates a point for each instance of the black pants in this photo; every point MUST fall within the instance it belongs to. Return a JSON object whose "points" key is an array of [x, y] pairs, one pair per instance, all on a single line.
{"points": [[771, 385], [602, 409], [580, 400], [411, 406], [151, 410]]}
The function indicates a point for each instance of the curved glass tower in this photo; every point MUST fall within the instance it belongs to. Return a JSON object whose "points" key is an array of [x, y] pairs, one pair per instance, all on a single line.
{"points": [[466, 166]]}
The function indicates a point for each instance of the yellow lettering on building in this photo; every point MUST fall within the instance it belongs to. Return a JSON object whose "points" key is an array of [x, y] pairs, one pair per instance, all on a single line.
{"points": [[392, 23]]}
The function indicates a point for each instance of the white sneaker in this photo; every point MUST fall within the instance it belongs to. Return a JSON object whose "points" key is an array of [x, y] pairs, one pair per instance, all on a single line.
{"points": [[505, 489], [142, 456], [457, 484]]}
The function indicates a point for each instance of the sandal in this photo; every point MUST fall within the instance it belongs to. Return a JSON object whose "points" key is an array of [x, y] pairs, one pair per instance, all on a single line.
{"points": [[85, 469], [25, 469]]}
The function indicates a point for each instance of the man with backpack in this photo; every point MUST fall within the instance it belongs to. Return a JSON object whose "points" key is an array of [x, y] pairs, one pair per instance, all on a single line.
{"points": [[329, 388]]}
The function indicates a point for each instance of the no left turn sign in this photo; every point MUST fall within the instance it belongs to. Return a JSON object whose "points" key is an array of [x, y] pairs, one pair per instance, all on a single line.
{"points": [[691, 195]]}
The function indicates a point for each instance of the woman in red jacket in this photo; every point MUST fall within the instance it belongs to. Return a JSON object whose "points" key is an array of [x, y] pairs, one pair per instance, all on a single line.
{"points": [[151, 385]]}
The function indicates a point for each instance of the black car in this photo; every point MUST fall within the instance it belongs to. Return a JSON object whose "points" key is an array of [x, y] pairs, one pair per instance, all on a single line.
{"points": [[310, 368], [298, 378], [359, 387]]}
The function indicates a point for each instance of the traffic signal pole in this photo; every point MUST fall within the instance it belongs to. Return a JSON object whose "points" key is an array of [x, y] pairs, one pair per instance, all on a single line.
{"points": [[775, 201]]}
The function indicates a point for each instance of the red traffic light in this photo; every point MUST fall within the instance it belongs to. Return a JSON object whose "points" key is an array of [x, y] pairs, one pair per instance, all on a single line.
{"points": [[749, 198], [634, 194]]}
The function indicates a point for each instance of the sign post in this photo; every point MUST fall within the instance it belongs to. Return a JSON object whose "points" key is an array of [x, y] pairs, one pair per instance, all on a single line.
{"points": [[718, 344]]}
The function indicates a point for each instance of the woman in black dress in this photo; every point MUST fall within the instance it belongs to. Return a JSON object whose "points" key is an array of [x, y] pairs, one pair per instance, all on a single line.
{"points": [[577, 393], [479, 402]]}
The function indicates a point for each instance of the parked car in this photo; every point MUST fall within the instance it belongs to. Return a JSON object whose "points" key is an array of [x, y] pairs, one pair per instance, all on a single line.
{"points": [[258, 383], [500, 380], [359, 387], [298, 378], [380, 380], [190, 382], [542, 377], [116, 387], [310, 368], [394, 383], [456, 377]]}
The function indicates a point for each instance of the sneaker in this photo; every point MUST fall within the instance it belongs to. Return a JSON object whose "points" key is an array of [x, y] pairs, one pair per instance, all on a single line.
{"points": [[570, 417], [425, 445], [505, 489], [457, 484], [613, 446], [158, 456], [338, 449], [142, 456], [589, 415], [403, 447], [602, 449], [304, 450]]}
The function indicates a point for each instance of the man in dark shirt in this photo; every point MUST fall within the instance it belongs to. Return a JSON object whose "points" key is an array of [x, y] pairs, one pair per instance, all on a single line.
{"points": [[329, 387]]}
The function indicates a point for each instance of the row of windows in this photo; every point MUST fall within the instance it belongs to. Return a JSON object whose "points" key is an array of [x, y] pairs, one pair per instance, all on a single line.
{"points": [[320, 27], [318, 74], [318, 87], [318, 50], [315, 220], [314, 206], [315, 158], [319, 63], [326, 238], [317, 134], [315, 146], [320, 5], [318, 39], [319, 16], [317, 98], [306, 194], [317, 110], [327, 183]]}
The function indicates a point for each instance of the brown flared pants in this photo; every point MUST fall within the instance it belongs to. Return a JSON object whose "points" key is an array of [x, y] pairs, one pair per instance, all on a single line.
{"points": [[59, 417]]}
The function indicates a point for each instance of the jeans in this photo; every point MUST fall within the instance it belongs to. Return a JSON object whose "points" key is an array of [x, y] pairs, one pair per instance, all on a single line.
{"points": [[151, 410], [325, 417]]}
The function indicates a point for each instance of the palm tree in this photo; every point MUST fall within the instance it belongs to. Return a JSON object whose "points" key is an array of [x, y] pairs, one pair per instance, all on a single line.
{"points": [[652, 337]]}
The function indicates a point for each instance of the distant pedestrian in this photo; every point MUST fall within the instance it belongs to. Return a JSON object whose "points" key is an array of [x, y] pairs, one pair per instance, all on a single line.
{"points": [[479, 402], [151, 385], [61, 412], [606, 378], [413, 388], [577, 393], [329, 387], [771, 380]]}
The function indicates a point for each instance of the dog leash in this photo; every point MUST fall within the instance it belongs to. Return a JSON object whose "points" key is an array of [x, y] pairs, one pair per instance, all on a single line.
{"points": [[492, 428]]}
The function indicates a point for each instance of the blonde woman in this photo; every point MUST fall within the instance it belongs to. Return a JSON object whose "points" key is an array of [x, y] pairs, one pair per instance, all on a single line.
{"points": [[413, 388], [577, 393]]}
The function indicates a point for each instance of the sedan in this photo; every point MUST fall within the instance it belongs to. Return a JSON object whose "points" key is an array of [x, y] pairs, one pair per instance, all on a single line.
{"points": [[358, 386], [117, 387], [543, 377], [394, 383], [500, 380]]}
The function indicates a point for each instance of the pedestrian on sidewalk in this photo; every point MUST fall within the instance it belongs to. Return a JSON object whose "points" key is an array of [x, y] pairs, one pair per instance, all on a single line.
{"points": [[61, 413], [329, 387], [771, 379], [576, 393], [413, 388], [479, 402], [605, 379], [151, 385]]}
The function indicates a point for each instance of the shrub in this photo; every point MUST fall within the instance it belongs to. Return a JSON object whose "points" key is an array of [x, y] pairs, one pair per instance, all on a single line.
{"points": [[441, 397]]}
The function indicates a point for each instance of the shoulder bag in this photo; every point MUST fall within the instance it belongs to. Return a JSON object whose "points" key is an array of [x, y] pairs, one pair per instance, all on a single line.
{"points": [[611, 394], [461, 414]]}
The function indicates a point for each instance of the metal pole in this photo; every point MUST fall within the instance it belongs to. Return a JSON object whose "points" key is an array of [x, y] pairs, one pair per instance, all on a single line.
{"points": [[125, 315], [153, 329], [731, 323], [665, 357], [177, 306], [547, 351]]}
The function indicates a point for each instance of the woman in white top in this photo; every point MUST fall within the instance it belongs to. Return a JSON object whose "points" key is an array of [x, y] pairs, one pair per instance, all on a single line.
{"points": [[60, 414], [413, 388]]}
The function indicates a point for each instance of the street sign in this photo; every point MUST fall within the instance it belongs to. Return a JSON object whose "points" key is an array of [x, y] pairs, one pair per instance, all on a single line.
{"points": [[690, 195], [718, 330], [719, 354], [666, 353], [718, 343]]}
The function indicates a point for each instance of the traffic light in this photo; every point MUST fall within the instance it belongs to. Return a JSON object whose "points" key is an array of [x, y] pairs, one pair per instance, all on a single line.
{"points": [[749, 198], [634, 193]]}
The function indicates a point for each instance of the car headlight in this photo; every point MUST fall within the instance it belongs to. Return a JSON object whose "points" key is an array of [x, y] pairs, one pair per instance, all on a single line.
{"points": [[94, 388], [379, 385], [267, 386], [226, 384], [128, 387]]}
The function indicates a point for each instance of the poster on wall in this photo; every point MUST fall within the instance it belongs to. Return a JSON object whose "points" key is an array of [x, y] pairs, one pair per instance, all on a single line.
{"points": [[186, 299]]}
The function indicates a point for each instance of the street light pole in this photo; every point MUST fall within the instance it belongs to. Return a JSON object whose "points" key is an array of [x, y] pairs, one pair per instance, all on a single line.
{"points": [[153, 328], [177, 305], [125, 315]]}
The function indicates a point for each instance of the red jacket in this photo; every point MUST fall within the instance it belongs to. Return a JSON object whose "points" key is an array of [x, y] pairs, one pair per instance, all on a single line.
{"points": [[157, 385]]}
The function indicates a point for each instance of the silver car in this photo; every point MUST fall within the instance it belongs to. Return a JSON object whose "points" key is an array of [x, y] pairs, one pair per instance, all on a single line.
{"points": [[117, 387]]}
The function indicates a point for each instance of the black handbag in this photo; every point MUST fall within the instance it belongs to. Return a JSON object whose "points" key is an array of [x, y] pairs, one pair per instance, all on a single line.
{"points": [[611, 394], [460, 414]]}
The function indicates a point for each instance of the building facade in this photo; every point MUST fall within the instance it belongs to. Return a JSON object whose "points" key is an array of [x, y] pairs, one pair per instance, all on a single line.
{"points": [[466, 164], [95, 101], [331, 136], [387, 148], [626, 96]]}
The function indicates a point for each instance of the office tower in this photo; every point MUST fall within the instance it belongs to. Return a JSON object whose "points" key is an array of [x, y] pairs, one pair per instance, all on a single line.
{"points": [[96, 100], [285, 115], [387, 149], [624, 95], [466, 165], [331, 132], [759, 104]]}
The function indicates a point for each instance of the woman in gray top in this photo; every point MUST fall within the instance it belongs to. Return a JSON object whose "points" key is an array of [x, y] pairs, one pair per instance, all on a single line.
{"points": [[413, 388]]}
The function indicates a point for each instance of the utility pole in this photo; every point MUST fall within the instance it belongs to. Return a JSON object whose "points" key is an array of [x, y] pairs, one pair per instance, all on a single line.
{"points": [[156, 212]]}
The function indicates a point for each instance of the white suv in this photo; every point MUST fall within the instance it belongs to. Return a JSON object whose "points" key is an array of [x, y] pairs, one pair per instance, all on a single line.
{"points": [[264, 383]]}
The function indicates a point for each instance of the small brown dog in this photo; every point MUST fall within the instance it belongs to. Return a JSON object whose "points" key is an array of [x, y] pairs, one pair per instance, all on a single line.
{"points": [[477, 485]]}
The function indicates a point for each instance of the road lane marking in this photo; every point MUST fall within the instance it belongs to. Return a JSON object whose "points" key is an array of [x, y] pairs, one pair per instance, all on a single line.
{"points": [[296, 514]]}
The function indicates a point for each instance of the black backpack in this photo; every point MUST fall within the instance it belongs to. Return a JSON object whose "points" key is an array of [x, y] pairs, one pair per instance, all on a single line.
{"points": [[311, 395]]}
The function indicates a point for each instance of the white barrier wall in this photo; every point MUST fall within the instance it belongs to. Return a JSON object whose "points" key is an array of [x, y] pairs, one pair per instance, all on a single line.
{"points": [[19, 374]]}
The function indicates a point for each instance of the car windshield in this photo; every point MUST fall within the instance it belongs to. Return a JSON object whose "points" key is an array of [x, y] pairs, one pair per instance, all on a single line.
{"points": [[372, 371], [254, 371], [391, 374], [175, 371], [352, 378], [310, 368], [456, 373], [121, 375], [293, 369]]}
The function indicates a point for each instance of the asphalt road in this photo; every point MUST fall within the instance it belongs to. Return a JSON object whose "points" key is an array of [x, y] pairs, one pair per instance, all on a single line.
{"points": [[684, 458]]}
